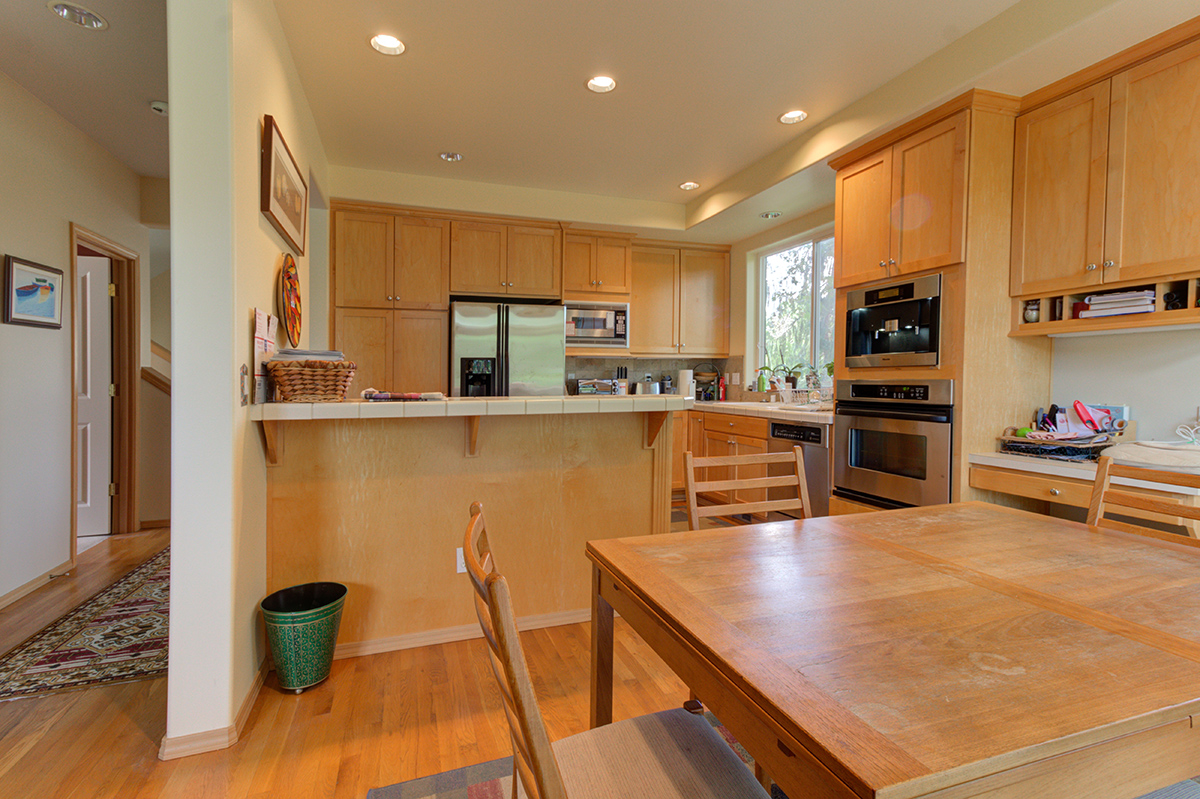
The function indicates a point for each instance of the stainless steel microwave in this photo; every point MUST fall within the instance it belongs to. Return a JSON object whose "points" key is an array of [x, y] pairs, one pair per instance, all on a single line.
{"points": [[597, 324], [897, 324]]}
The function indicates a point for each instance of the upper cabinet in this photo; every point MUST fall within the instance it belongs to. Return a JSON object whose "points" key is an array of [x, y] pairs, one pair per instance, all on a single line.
{"points": [[385, 261], [492, 258], [903, 209], [1059, 167], [596, 267], [679, 302], [1107, 181]]}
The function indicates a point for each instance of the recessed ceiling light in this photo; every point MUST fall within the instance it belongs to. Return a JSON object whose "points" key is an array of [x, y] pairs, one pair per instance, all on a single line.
{"points": [[451, 157], [689, 186], [601, 84], [388, 45], [78, 15], [769, 214], [792, 117]]}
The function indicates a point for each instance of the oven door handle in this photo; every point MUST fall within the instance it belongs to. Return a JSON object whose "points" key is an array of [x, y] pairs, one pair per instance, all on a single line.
{"points": [[937, 416]]}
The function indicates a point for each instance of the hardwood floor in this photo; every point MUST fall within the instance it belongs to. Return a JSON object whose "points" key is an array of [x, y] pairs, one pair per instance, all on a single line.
{"points": [[377, 720]]}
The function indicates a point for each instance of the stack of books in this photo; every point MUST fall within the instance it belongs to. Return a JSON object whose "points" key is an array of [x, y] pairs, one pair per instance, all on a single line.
{"points": [[1117, 303]]}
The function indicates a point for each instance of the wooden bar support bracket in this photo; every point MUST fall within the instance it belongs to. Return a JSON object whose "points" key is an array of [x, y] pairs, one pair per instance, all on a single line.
{"points": [[654, 424], [472, 436], [273, 439]]}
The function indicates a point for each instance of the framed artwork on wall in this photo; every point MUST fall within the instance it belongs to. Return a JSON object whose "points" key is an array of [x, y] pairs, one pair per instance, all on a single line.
{"points": [[33, 293], [284, 192]]}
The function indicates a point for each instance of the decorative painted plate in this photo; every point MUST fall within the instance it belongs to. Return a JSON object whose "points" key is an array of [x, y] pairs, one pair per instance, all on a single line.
{"points": [[289, 299]]}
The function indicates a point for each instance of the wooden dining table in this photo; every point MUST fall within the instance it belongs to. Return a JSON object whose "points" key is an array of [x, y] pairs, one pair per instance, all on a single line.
{"points": [[965, 650]]}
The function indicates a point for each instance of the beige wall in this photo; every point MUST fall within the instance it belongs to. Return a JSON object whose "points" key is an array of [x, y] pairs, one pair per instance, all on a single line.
{"points": [[52, 175], [229, 66]]}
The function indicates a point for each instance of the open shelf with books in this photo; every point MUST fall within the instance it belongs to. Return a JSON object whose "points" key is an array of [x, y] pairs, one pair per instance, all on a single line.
{"points": [[1140, 306]]}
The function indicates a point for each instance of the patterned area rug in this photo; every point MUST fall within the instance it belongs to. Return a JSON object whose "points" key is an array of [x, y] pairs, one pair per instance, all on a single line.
{"points": [[118, 635], [493, 779]]}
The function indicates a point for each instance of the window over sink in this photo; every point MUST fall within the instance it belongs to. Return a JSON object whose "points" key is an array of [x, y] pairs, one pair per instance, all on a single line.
{"points": [[796, 304]]}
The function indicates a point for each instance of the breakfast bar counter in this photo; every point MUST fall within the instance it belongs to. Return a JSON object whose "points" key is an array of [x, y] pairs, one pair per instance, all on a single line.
{"points": [[375, 495]]}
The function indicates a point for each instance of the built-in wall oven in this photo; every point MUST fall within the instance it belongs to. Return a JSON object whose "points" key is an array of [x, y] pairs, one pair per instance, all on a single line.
{"points": [[897, 324], [892, 442]]}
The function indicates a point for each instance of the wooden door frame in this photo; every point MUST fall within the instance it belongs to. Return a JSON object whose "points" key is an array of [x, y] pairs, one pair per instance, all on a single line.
{"points": [[126, 340]]}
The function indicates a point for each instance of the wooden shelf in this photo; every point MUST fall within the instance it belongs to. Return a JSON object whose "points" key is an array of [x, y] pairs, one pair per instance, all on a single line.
{"points": [[1057, 310]]}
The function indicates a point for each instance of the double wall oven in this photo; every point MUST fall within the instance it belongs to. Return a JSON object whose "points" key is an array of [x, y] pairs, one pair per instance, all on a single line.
{"points": [[892, 441]]}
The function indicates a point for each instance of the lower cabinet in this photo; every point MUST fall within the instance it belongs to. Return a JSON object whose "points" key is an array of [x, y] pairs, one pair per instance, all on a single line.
{"points": [[679, 446], [728, 434], [394, 350]]}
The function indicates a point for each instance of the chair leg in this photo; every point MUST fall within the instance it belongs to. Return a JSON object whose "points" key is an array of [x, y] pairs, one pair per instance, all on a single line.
{"points": [[693, 704]]}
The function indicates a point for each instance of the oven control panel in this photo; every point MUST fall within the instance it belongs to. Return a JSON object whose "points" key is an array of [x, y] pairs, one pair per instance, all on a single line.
{"points": [[911, 392]]}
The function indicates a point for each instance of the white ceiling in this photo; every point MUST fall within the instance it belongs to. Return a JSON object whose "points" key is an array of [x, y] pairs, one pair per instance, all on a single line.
{"points": [[701, 84]]}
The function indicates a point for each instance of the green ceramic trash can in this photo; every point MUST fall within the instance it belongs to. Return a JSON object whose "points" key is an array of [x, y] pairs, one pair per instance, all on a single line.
{"points": [[302, 627]]}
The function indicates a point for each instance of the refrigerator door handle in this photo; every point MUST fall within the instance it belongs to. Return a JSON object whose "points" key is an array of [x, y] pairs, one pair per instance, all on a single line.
{"points": [[502, 348]]}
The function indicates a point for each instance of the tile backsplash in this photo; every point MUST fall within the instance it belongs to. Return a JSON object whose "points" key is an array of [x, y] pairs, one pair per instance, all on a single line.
{"points": [[605, 368]]}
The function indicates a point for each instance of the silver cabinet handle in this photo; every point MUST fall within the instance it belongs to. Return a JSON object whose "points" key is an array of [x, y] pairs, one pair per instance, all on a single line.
{"points": [[1054, 492], [1109, 264], [892, 261], [599, 282], [1090, 267], [389, 298], [593, 283], [883, 263]]}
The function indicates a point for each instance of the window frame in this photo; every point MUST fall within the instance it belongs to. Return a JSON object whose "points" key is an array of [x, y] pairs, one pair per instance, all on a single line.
{"points": [[814, 237]]}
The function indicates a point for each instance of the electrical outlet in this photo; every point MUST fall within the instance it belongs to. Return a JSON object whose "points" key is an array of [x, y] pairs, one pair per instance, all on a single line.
{"points": [[462, 563]]}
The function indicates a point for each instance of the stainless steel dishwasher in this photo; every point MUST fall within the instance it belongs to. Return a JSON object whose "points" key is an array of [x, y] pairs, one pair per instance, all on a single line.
{"points": [[813, 439]]}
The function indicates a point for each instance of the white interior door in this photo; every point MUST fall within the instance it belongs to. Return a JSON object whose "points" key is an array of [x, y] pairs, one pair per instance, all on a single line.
{"points": [[93, 364]]}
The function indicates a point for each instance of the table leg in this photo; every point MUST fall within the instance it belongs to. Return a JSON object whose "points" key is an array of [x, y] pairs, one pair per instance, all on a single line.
{"points": [[602, 655]]}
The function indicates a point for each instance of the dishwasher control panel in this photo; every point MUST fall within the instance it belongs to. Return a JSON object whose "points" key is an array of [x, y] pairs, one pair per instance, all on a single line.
{"points": [[804, 433]]}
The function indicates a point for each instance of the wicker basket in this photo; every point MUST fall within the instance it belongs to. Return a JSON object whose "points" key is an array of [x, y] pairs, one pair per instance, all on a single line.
{"points": [[311, 381]]}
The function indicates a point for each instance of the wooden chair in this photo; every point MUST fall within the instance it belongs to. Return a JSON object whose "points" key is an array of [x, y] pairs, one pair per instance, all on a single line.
{"points": [[1172, 511], [794, 479], [668, 754]]}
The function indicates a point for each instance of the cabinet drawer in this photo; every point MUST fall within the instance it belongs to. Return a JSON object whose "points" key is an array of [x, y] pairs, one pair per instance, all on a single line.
{"points": [[1024, 484], [751, 426]]}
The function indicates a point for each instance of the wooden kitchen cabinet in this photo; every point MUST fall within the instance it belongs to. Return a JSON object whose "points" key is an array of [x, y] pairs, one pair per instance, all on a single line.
{"points": [[364, 260], [364, 335], [730, 434], [421, 351], [903, 209], [679, 445], [596, 267], [496, 259], [679, 302], [1107, 181], [1060, 166], [386, 261]]}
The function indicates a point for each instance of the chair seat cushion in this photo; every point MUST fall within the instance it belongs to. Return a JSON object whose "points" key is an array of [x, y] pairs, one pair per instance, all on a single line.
{"points": [[662, 755]]}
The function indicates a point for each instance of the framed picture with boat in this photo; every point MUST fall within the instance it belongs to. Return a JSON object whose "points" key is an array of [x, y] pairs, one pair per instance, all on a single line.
{"points": [[33, 293]]}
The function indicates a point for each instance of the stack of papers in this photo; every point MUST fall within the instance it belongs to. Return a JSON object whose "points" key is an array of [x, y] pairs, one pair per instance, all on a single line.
{"points": [[1118, 302], [308, 355]]}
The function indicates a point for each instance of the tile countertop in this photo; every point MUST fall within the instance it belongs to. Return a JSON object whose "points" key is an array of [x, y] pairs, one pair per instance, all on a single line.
{"points": [[1085, 471], [769, 410], [467, 406]]}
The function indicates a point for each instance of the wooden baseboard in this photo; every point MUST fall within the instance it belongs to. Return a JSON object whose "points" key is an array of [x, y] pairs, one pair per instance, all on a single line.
{"points": [[211, 740], [34, 584], [155, 524], [448, 634]]}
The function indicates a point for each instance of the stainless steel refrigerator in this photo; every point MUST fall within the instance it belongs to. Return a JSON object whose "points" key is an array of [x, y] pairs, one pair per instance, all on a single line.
{"points": [[505, 350]]}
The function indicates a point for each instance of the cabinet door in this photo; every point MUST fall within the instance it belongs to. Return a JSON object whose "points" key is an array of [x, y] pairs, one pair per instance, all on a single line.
{"points": [[478, 255], [696, 433], [1059, 171], [654, 302], [703, 303], [679, 445], [750, 446], [613, 266], [422, 263], [863, 200], [579, 259], [534, 262], [929, 196], [365, 337], [421, 354], [363, 260], [1152, 228]]}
